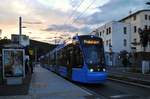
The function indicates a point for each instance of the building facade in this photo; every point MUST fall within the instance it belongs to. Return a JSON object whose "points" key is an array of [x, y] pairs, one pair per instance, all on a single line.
{"points": [[116, 38], [120, 35], [138, 20]]}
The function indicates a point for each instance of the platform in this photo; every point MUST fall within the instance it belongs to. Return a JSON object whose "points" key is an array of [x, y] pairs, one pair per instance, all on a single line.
{"points": [[47, 85]]}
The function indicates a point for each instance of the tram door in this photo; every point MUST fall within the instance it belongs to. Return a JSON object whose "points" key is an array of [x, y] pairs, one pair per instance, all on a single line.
{"points": [[70, 59]]}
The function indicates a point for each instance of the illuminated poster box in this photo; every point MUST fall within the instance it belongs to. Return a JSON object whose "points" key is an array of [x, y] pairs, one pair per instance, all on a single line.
{"points": [[13, 63]]}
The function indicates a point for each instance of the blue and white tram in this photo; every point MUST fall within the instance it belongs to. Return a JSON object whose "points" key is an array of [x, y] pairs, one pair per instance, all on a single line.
{"points": [[82, 60]]}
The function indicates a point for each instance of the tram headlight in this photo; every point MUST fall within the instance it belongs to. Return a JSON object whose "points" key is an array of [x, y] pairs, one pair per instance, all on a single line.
{"points": [[104, 69], [91, 70]]}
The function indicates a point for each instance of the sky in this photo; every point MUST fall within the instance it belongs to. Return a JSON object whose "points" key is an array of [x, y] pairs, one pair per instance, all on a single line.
{"points": [[50, 20]]}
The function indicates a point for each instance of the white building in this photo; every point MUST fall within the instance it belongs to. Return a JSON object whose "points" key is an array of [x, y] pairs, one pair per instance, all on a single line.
{"points": [[116, 37], [139, 19], [119, 35]]}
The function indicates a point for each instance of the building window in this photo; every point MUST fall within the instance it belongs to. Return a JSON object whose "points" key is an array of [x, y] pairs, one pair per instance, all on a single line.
{"points": [[106, 42], [103, 31], [135, 40], [125, 30], [125, 42], [96, 33], [100, 33], [145, 27], [135, 29], [145, 16], [149, 17], [134, 17], [109, 42], [109, 30]]}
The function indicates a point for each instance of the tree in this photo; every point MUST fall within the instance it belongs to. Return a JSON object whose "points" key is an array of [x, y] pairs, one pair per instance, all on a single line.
{"points": [[124, 56], [144, 37], [123, 53], [3, 42]]}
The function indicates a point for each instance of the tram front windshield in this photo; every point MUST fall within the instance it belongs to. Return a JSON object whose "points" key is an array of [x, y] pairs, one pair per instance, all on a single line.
{"points": [[93, 54]]}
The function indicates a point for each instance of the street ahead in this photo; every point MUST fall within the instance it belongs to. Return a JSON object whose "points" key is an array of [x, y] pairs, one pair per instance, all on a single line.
{"points": [[116, 90]]}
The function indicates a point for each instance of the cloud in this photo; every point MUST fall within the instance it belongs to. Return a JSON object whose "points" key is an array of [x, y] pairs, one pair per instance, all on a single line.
{"points": [[27, 22], [74, 3], [56, 12], [62, 28], [68, 28], [35, 37], [111, 11], [85, 30]]}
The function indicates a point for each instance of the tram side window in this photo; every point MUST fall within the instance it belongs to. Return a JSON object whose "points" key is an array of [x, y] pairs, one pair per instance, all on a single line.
{"points": [[69, 56], [57, 58], [70, 60], [65, 57], [78, 57], [61, 58], [53, 59]]}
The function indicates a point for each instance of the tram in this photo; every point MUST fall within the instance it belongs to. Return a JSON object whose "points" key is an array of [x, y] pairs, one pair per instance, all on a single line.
{"points": [[81, 60]]}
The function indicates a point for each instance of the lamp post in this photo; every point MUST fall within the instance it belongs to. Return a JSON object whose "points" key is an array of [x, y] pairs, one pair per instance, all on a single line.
{"points": [[20, 29]]}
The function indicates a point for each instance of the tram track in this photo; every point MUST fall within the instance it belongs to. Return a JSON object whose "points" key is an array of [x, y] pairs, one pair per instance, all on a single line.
{"points": [[116, 90], [134, 82]]}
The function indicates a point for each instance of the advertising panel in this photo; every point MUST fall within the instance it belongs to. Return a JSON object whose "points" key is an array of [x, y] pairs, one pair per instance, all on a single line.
{"points": [[13, 63]]}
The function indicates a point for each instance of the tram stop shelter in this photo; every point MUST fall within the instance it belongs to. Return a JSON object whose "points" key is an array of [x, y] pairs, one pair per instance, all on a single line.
{"points": [[13, 64]]}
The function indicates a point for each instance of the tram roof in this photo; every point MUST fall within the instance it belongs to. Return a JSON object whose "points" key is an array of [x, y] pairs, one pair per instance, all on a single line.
{"points": [[70, 41]]}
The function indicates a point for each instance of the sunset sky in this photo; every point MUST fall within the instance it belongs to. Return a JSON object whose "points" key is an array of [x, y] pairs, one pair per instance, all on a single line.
{"points": [[46, 19]]}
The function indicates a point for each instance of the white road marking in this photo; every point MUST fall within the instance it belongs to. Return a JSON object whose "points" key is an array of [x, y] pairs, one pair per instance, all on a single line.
{"points": [[120, 96]]}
